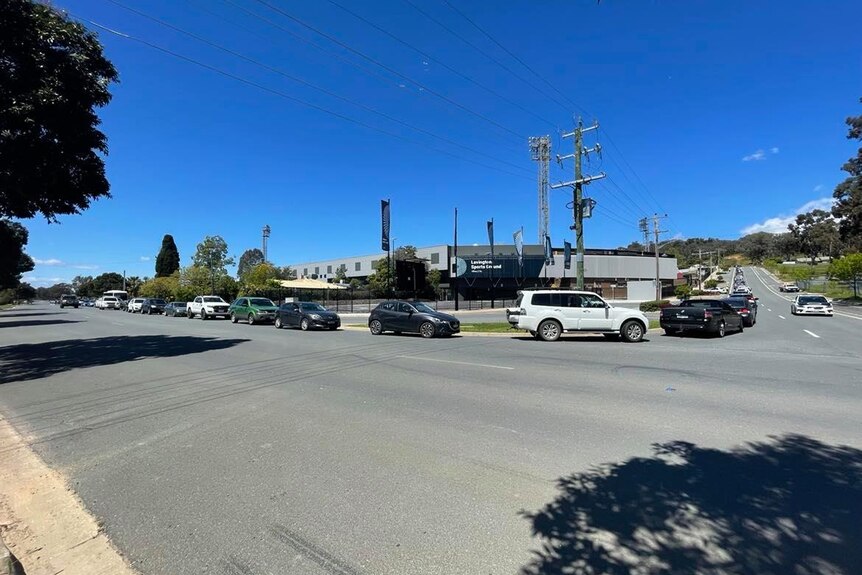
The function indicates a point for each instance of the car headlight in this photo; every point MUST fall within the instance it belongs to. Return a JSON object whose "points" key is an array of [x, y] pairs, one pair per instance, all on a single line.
{"points": [[436, 319], [314, 316]]}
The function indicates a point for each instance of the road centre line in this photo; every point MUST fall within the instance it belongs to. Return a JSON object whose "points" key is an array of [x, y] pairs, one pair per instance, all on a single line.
{"points": [[811, 333], [456, 362], [768, 309], [781, 316]]}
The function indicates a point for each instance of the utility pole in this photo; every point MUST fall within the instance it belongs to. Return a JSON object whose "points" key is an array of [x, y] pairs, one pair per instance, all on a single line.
{"points": [[540, 151], [657, 232], [577, 186]]}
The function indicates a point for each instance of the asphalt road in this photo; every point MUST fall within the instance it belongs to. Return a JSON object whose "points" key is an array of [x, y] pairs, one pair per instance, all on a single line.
{"points": [[208, 447]]}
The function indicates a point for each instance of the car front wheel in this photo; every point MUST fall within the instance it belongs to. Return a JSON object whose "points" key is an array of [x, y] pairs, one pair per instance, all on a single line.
{"points": [[550, 330], [303, 325], [277, 323], [233, 318], [632, 331], [426, 329], [375, 326], [251, 319], [721, 330]]}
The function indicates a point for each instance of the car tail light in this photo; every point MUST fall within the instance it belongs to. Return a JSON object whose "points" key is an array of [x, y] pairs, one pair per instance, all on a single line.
{"points": [[744, 310], [707, 314]]}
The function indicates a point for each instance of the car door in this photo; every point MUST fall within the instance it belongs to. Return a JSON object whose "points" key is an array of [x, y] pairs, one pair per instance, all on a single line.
{"points": [[293, 314], [595, 314], [405, 317], [732, 319]]}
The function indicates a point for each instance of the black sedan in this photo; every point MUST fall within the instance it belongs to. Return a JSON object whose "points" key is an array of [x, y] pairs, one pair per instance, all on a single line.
{"points": [[176, 309], [306, 315], [744, 308], [153, 306], [412, 317]]}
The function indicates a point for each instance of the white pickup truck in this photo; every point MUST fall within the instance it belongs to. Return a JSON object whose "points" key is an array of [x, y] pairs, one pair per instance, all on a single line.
{"points": [[207, 306]]}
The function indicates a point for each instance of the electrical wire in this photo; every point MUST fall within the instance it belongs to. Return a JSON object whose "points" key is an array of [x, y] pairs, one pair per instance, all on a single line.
{"points": [[431, 58], [312, 85], [287, 96], [389, 69]]}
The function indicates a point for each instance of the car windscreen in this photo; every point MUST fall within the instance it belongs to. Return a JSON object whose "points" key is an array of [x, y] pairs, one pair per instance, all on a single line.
{"points": [[178, 303], [421, 307], [213, 299], [157, 301], [737, 302], [312, 307], [813, 300], [261, 301]]}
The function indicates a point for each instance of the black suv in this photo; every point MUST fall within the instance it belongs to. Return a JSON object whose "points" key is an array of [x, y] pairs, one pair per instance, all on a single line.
{"points": [[413, 317], [70, 300]]}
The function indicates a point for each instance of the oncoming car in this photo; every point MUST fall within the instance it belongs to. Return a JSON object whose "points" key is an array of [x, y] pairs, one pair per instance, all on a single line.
{"points": [[811, 305]]}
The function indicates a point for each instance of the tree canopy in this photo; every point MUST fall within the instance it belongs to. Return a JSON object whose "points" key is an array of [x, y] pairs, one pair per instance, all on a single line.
{"points": [[168, 260], [848, 194], [53, 76], [248, 260], [848, 268], [13, 261]]}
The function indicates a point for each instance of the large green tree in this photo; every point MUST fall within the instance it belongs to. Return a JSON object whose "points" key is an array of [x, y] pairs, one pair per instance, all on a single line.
{"points": [[168, 260], [53, 77], [13, 261], [248, 260], [211, 255], [848, 194], [817, 234]]}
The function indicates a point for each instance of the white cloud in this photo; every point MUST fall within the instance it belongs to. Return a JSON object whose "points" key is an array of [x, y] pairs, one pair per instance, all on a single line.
{"points": [[84, 267], [756, 156], [778, 224], [145, 258], [774, 150], [818, 187], [48, 262]]}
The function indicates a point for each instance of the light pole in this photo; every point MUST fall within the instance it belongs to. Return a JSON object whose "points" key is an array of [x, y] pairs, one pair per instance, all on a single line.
{"points": [[393, 272]]}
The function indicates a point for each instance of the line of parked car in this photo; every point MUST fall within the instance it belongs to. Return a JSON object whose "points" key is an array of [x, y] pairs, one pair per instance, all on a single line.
{"points": [[716, 316]]}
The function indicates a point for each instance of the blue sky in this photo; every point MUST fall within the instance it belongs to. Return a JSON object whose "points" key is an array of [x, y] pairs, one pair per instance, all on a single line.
{"points": [[726, 115]]}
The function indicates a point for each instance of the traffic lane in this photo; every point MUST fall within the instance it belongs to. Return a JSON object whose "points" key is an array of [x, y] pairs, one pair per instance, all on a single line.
{"points": [[486, 445], [839, 333]]}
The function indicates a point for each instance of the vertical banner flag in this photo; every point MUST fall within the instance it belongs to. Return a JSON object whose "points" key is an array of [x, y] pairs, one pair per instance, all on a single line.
{"points": [[491, 234], [549, 255], [567, 255], [519, 245], [384, 219]]}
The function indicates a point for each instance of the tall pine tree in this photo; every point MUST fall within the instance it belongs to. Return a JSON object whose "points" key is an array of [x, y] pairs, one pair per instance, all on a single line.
{"points": [[168, 260]]}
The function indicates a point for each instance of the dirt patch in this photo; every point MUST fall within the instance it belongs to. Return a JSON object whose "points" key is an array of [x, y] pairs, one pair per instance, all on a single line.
{"points": [[43, 522]]}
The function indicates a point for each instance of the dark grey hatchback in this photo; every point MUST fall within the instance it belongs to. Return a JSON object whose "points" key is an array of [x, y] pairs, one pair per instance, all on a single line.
{"points": [[306, 315], [411, 317]]}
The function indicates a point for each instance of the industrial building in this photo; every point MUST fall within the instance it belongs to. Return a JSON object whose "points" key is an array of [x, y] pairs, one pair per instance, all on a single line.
{"points": [[475, 274]]}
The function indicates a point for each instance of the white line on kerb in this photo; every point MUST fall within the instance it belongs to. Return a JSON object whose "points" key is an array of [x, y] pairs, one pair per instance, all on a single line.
{"points": [[781, 316], [458, 362], [811, 333]]}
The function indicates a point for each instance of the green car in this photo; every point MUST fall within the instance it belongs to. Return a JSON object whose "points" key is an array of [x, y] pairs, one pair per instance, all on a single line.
{"points": [[253, 309]]}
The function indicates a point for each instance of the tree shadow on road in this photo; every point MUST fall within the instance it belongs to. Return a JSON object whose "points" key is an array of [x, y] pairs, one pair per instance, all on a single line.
{"points": [[5, 314], [36, 360], [36, 322], [791, 505]]}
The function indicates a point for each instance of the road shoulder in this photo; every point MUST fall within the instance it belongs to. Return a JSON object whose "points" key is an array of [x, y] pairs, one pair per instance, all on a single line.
{"points": [[43, 522]]}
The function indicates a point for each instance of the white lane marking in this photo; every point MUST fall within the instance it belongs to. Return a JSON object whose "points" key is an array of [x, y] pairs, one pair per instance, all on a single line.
{"points": [[768, 309], [458, 362], [781, 316], [811, 333]]}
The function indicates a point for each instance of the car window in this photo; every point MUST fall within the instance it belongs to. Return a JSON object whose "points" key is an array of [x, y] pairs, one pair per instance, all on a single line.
{"points": [[311, 306], [423, 308], [261, 301], [405, 307], [212, 299], [388, 306], [808, 300]]}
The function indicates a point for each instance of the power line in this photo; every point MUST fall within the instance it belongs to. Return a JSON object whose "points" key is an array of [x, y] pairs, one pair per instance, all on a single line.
{"points": [[311, 85], [437, 61], [517, 59], [389, 69], [287, 96]]}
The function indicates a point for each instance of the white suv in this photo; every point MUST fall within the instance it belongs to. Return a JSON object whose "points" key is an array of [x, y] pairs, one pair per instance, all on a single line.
{"points": [[136, 305], [548, 313]]}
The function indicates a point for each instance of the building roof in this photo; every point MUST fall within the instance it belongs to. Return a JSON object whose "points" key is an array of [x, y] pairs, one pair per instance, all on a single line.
{"points": [[308, 283]]}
